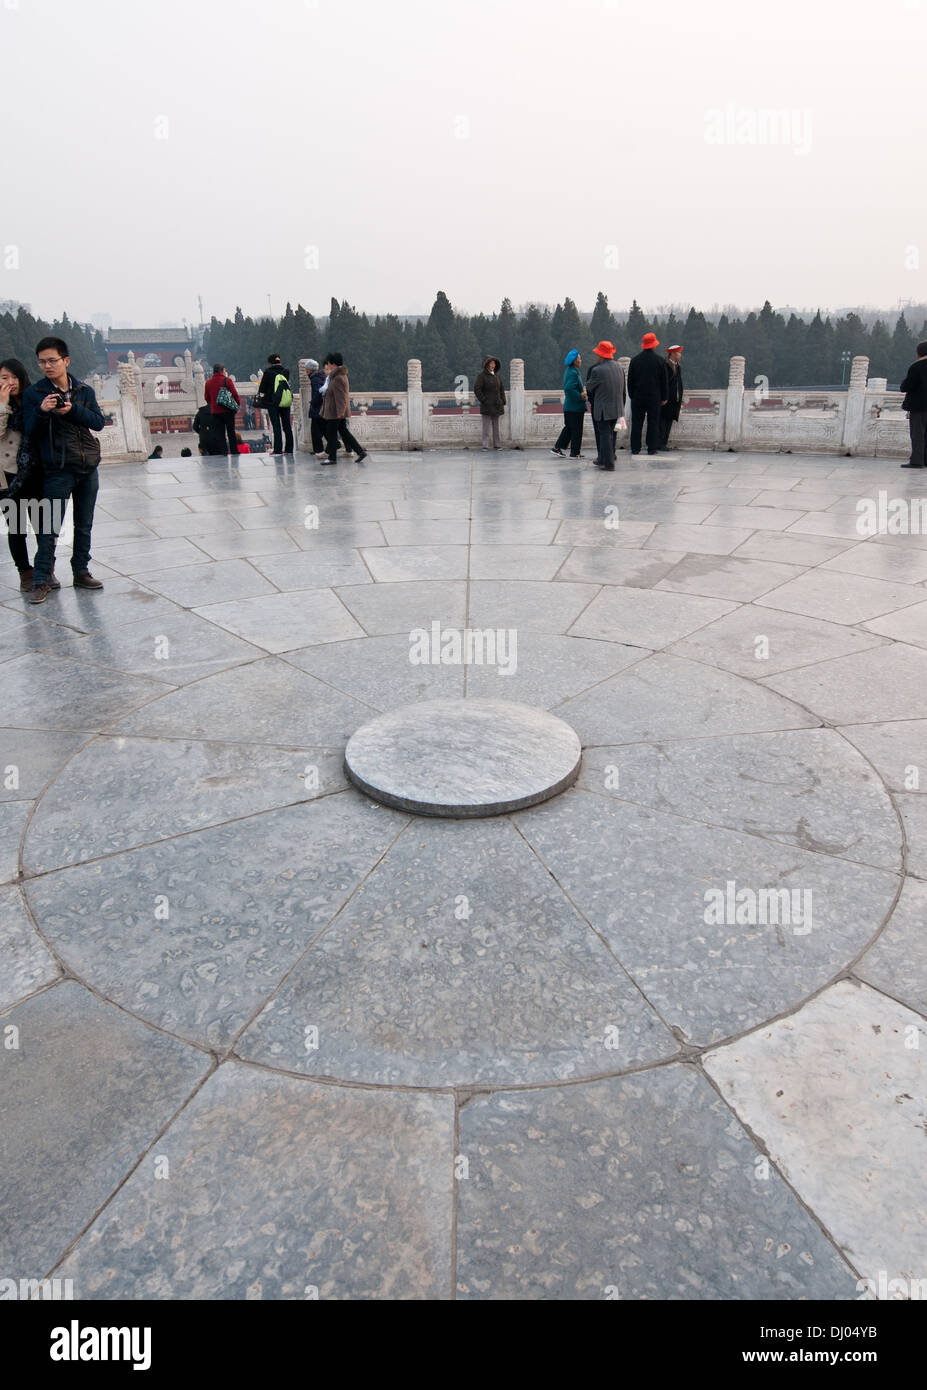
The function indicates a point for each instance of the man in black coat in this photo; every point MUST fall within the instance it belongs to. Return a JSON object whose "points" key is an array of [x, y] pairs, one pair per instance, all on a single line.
{"points": [[647, 388], [915, 403], [271, 388], [669, 413]]}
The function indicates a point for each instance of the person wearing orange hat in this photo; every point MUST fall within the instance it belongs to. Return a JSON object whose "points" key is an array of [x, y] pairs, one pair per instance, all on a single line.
{"points": [[647, 387], [605, 388], [669, 413]]}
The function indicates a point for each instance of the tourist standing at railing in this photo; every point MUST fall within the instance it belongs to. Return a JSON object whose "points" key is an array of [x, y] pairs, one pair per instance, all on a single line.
{"points": [[647, 388], [915, 403], [226, 415], [336, 408], [574, 407], [669, 413], [277, 398], [490, 393], [316, 380], [605, 387]]}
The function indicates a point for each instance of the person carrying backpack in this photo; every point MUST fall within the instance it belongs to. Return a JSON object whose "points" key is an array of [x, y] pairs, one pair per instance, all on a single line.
{"points": [[277, 399], [223, 401]]}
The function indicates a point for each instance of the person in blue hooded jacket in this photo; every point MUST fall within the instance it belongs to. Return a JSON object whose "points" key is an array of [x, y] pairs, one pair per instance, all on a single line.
{"points": [[574, 407]]}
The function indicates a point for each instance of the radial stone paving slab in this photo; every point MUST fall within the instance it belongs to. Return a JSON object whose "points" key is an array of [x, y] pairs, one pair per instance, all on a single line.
{"points": [[463, 757]]}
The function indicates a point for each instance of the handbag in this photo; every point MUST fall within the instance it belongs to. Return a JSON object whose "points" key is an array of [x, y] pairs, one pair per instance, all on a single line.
{"points": [[226, 399]]}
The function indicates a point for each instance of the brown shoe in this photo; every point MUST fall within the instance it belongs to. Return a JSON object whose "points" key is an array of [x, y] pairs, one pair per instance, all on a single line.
{"points": [[39, 593], [54, 583], [25, 580], [86, 581]]}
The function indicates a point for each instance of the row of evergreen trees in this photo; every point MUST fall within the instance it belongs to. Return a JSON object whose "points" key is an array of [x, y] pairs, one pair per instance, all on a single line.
{"points": [[790, 352], [20, 332]]}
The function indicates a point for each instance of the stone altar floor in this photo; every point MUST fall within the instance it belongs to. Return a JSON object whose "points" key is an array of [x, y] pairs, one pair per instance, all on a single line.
{"points": [[264, 1038]]}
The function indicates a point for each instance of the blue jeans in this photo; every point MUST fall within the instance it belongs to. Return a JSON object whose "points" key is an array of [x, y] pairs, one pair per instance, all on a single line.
{"points": [[60, 484]]}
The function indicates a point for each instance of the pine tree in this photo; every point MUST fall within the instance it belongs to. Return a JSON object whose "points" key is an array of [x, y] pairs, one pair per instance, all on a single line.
{"points": [[636, 326], [602, 326]]}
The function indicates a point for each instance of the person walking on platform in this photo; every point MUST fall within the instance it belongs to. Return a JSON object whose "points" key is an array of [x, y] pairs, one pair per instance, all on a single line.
{"points": [[336, 408], [669, 413], [605, 387], [647, 387], [316, 425], [574, 407]]}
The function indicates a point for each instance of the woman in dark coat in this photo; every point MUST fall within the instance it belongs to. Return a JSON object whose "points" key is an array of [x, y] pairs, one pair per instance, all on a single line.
{"points": [[20, 472], [490, 393]]}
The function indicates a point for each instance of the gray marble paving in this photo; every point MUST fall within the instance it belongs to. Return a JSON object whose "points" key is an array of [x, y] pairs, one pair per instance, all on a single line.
{"points": [[666, 697], [198, 955], [25, 962], [641, 878], [578, 1193], [82, 1096], [646, 618], [757, 642], [838, 1098], [514, 1057], [808, 788], [265, 702], [284, 622], [432, 976], [102, 802], [282, 1189]]}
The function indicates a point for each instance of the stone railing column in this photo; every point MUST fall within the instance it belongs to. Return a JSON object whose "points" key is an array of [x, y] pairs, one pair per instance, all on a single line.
{"points": [[199, 384], [415, 418], [134, 424], [734, 408], [188, 372], [856, 404], [517, 401]]}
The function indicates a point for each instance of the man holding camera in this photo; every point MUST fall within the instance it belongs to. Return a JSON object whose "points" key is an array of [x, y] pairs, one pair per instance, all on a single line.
{"points": [[58, 415]]}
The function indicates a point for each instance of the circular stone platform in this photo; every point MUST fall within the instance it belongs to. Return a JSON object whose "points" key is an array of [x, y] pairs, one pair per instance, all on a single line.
{"points": [[463, 757]]}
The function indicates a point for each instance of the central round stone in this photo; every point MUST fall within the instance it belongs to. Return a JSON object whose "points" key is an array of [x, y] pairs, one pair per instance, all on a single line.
{"points": [[463, 757]]}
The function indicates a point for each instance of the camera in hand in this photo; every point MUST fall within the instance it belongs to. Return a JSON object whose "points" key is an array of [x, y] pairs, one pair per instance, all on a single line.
{"points": [[59, 400]]}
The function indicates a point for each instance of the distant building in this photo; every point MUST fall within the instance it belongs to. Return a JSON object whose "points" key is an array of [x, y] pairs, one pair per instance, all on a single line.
{"points": [[153, 347]]}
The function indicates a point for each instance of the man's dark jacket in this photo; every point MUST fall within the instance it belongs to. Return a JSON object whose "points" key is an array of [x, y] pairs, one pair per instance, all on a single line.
{"points": [[316, 382], [647, 377], [267, 389], [674, 389], [915, 387], [64, 441]]}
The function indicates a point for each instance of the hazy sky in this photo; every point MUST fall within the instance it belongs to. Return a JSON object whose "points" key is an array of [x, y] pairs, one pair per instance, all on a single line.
{"points": [[380, 151]]}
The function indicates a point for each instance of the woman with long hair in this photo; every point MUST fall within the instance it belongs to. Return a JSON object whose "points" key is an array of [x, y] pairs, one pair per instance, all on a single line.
{"points": [[17, 466]]}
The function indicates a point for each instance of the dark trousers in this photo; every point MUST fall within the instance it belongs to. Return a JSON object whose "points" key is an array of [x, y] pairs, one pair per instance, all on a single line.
{"points": [[60, 485], [605, 441], [641, 406], [917, 424], [317, 434], [666, 424], [227, 422], [14, 514], [572, 432], [335, 427], [280, 415]]}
